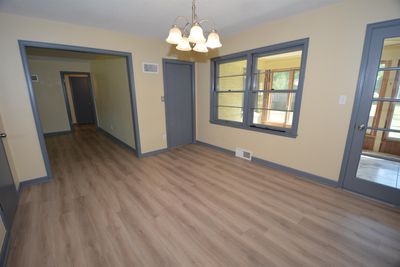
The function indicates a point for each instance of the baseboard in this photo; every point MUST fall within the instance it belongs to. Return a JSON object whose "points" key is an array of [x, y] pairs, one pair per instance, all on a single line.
{"points": [[155, 152], [116, 139], [5, 249], [57, 133], [39, 180], [298, 173]]}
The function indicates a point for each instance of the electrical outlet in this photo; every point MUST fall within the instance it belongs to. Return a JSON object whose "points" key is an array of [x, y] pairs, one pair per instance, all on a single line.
{"points": [[112, 127], [164, 136]]}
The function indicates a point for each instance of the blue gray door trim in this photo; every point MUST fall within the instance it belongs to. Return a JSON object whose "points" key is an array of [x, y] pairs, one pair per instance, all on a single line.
{"points": [[182, 62], [23, 44], [62, 74], [299, 174], [357, 98]]}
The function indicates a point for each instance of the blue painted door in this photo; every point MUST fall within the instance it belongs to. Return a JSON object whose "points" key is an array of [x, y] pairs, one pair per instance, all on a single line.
{"points": [[179, 102], [373, 167], [82, 97], [8, 192]]}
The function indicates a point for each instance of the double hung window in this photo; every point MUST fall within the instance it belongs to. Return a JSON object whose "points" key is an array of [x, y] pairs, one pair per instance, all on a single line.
{"points": [[260, 89]]}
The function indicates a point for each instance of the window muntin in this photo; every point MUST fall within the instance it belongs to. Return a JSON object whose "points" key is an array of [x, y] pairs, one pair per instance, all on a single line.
{"points": [[271, 100]]}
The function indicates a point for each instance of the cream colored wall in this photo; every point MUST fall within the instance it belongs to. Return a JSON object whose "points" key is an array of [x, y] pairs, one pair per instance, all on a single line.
{"points": [[336, 41], [49, 92], [14, 99], [112, 98]]}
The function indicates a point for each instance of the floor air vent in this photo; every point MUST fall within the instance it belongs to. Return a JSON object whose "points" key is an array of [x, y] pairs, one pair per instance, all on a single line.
{"points": [[242, 153]]}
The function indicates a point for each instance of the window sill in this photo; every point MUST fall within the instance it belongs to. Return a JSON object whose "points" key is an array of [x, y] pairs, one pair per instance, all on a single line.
{"points": [[254, 129]]}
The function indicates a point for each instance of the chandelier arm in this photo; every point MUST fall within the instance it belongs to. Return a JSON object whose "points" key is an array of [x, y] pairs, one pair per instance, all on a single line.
{"points": [[181, 18], [186, 29], [209, 21]]}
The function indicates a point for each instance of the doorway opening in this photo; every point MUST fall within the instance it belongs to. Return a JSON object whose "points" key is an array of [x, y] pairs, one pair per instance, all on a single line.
{"points": [[81, 88], [78, 93]]}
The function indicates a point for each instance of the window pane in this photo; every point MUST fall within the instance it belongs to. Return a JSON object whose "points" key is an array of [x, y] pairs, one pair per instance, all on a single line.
{"points": [[391, 49], [231, 68], [273, 118], [230, 114], [274, 100], [233, 83], [230, 99], [378, 170], [387, 84], [384, 114], [280, 80], [279, 62], [382, 144], [395, 122]]}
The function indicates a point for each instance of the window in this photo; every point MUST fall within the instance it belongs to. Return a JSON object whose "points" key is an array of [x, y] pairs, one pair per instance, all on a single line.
{"points": [[260, 89]]}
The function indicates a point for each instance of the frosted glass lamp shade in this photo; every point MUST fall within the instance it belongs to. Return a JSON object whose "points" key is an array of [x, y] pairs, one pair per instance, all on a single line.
{"points": [[184, 45], [201, 48], [196, 34], [174, 36], [213, 40]]}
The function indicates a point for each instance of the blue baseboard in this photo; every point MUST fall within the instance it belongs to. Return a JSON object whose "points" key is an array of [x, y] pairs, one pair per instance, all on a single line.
{"points": [[155, 152], [39, 180], [116, 139], [298, 173], [57, 133]]}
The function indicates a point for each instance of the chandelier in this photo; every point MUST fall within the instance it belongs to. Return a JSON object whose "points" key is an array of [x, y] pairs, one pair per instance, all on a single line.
{"points": [[190, 34]]}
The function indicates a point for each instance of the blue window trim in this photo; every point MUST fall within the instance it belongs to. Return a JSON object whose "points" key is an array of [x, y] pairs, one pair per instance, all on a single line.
{"points": [[251, 55]]}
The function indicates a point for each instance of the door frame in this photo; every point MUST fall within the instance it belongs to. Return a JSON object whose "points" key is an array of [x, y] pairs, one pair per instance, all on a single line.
{"points": [[24, 44], [359, 91], [165, 61], [62, 74]]}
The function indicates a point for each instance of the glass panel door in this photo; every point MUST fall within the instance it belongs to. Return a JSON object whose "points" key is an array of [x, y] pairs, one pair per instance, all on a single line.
{"points": [[374, 163]]}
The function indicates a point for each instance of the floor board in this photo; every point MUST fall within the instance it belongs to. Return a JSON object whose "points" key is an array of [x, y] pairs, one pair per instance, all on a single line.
{"points": [[190, 206]]}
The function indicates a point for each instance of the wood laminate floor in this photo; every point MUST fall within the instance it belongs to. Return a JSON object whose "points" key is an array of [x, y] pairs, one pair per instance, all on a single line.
{"points": [[191, 206]]}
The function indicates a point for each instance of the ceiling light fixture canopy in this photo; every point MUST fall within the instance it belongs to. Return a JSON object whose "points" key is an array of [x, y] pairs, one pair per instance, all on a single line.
{"points": [[190, 35]]}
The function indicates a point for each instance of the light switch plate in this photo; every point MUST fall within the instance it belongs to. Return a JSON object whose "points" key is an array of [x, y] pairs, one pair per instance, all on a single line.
{"points": [[342, 99]]}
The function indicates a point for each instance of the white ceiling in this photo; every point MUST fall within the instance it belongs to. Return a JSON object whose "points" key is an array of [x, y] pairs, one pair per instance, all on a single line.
{"points": [[154, 17]]}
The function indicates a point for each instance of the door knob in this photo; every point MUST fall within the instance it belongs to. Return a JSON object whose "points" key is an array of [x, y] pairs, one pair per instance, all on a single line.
{"points": [[361, 127], [3, 135]]}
